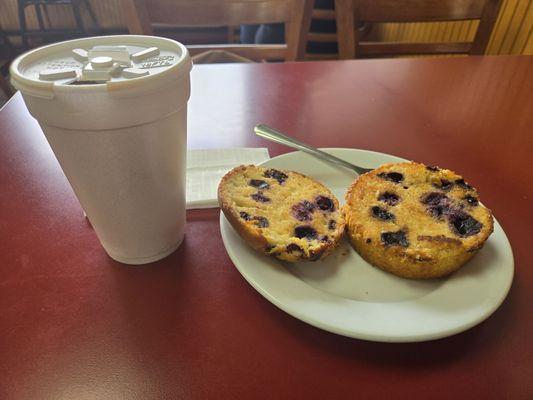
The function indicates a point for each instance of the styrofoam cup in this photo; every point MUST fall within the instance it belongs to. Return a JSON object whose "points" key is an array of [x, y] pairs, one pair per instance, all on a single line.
{"points": [[121, 142]]}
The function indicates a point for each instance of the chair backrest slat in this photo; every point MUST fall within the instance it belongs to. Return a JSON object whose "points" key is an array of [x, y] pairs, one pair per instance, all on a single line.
{"points": [[267, 51], [191, 13], [387, 48], [418, 10]]}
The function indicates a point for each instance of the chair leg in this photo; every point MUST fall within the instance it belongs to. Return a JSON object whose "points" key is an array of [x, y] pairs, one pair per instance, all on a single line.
{"points": [[91, 12], [77, 16], [7, 44], [22, 24], [304, 17], [47, 16], [344, 11], [39, 14]]}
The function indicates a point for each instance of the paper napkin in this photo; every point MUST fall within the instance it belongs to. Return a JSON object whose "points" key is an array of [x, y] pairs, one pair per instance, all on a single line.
{"points": [[205, 168]]}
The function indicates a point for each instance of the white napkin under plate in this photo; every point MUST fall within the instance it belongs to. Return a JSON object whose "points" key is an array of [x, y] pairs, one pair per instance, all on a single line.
{"points": [[205, 168]]}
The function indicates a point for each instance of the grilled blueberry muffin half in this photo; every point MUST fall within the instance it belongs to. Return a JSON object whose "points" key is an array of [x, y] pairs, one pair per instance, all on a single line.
{"points": [[415, 221], [281, 213]]}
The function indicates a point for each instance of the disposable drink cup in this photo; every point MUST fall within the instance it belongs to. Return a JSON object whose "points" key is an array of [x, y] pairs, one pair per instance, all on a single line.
{"points": [[114, 110]]}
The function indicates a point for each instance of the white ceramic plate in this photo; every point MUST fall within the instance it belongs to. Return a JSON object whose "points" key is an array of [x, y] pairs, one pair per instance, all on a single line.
{"points": [[344, 294]]}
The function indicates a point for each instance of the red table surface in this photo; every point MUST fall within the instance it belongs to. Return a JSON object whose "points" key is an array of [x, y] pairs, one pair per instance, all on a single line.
{"points": [[75, 324]]}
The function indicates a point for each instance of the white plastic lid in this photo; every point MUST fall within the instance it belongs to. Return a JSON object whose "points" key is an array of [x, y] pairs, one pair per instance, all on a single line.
{"points": [[106, 63]]}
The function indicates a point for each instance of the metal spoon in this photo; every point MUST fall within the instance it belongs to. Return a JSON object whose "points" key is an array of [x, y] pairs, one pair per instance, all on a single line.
{"points": [[274, 135]]}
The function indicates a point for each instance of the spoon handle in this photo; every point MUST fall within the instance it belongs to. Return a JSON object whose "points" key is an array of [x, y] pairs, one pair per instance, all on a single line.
{"points": [[276, 136]]}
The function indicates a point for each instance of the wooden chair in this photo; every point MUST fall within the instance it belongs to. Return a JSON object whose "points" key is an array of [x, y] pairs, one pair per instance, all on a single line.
{"points": [[350, 12], [296, 14]]}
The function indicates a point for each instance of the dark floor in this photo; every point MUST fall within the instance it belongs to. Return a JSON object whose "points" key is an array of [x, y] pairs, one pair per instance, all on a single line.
{"points": [[3, 99]]}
